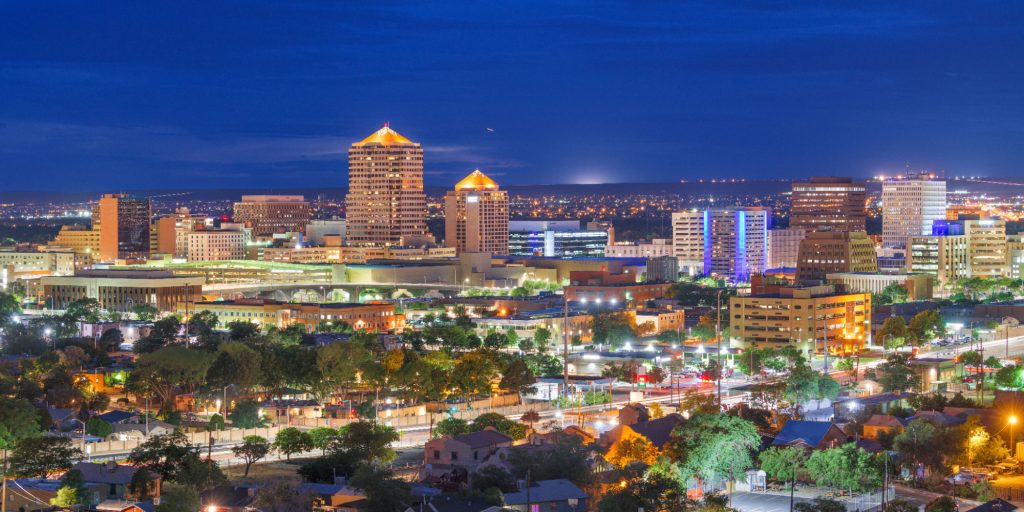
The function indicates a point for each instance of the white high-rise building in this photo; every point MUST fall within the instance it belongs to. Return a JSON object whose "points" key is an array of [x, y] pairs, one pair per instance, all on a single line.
{"points": [[729, 242], [909, 206], [784, 246]]}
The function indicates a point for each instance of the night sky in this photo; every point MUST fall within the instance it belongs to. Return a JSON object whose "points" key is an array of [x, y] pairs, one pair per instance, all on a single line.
{"points": [[130, 95]]}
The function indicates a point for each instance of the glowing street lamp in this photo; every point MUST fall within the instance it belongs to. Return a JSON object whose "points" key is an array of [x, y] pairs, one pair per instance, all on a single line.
{"points": [[1012, 420]]}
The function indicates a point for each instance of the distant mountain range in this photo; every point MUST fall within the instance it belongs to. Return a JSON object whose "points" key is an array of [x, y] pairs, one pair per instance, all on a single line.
{"points": [[691, 188]]}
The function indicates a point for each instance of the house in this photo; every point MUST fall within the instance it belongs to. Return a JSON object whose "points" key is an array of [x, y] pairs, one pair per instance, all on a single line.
{"points": [[41, 492], [125, 506], [939, 418], [115, 417], [880, 423], [850, 408], [115, 479], [996, 505], [536, 438], [463, 453], [558, 495], [334, 497], [815, 435], [450, 503], [137, 431], [63, 419], [658, 432], [283, 411], [633, 413]]}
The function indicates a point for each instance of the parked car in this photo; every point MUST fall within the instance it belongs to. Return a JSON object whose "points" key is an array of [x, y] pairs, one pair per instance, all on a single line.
{"points": [[965, 477]]}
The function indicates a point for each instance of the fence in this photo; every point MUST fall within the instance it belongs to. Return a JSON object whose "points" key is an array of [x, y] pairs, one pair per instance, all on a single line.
{"points": [[234, 435], [422, 420]]}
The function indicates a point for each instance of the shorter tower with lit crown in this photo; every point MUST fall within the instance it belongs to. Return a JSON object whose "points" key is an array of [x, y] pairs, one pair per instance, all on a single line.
{"points": [[476, 216]]}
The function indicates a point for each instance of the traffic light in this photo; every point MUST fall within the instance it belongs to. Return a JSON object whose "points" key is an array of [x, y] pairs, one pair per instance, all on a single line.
{"points": [[642, 380]]}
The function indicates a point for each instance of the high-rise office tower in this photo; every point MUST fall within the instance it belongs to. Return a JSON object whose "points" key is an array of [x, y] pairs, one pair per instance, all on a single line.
{"points": [[476, 216], [909, 207], [784, 246], [829, 204], [124, 224], [827, 252], [386, 204], [943, 253], [270, 215], [730, 242]]}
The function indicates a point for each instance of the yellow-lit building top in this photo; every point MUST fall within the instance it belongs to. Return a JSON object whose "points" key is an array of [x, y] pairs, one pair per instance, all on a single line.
{"points": [[385, 136], [476, 181]]}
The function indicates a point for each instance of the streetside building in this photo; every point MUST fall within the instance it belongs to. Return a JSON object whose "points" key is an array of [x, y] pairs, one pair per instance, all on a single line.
{"points": [[801, 317], [555, 239], [476, 216], [603, 287], [16, 265], [272, 313], [78, 239], [655, 248], [731, 242], [120, 290], [215, 245]]}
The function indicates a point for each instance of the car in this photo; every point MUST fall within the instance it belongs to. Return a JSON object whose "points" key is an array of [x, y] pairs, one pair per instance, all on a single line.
{"points": [[965, 477], [1006, 468]]}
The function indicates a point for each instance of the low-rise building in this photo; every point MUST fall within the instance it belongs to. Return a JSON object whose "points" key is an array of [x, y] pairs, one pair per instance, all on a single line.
{"points": [[812, 318], [215, 245], [17, 264], [464, 453], [603, 287], [918, 286], [120, 290], [655, 248], [277, 314], [814, 435]]}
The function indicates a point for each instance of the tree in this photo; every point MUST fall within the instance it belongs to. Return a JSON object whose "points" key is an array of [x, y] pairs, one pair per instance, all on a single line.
{"points": [[493, 477], [241, 330], [253, 449], [896, 375], [530, 417], [235, 364], [322, 438], [84, 310], [145, 312], [541, 339], [18, 420], [893, 293], [499, 423], [246, 414], [567, 458], [110, 340], [628, 451], [845, 467], [384, 493], [893, 332], [801, 387], [178, 498], [282, 496], [71, 491], [1010, 377], [923, 443], [784, 464], [292, 440], [169, 370], [942, 504], [925, 325], [451, 426], [216, 423], [37, 457], [174, 459], [820, 505], [339, 363], [99, 428], [517, 376], [373, 439], [711, 446]]}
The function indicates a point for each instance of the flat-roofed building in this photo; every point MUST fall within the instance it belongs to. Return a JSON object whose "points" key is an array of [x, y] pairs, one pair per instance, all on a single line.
{"points": [[603, 287], [555, 238], [730, 242], [215, 244], [16, 265], [944, 254], [909, 207], [829, 204], [823, 252], [784, 246], [655, 248], [78, 239], [120, 290], [918, 286], [270, 215], [278, 314], [805, 317], [1015, 256], [124, 225], [986, 247]]}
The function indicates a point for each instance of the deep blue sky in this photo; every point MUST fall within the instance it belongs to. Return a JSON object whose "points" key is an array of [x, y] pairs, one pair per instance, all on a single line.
{"points": [[127, 95]]}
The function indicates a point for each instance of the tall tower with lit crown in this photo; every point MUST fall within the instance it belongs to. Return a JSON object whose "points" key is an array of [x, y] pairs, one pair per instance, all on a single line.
{"points": [[386, 205], [476, 216]]}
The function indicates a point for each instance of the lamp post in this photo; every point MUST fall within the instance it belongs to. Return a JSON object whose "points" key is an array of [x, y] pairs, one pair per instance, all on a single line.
{"points": [[1012, 421]]}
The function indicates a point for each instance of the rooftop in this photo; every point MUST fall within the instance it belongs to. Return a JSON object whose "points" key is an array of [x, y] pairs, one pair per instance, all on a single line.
{"points": [[544, 491], [476, 181], [385, 137]]}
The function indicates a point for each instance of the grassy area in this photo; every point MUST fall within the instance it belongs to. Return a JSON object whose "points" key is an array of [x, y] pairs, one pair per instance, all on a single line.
{"points": [[277, 470]]}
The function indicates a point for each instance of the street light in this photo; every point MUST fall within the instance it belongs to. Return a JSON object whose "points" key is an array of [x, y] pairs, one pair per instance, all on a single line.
{"points": [[1012, 420]]}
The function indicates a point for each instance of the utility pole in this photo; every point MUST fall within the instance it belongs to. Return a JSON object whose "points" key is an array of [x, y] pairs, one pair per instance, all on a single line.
{"points": [[825, 339], [565, 344], [718, 336]]}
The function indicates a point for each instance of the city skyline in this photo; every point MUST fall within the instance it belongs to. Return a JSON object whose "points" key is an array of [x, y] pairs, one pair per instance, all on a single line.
{"points": [[614, 95]]}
